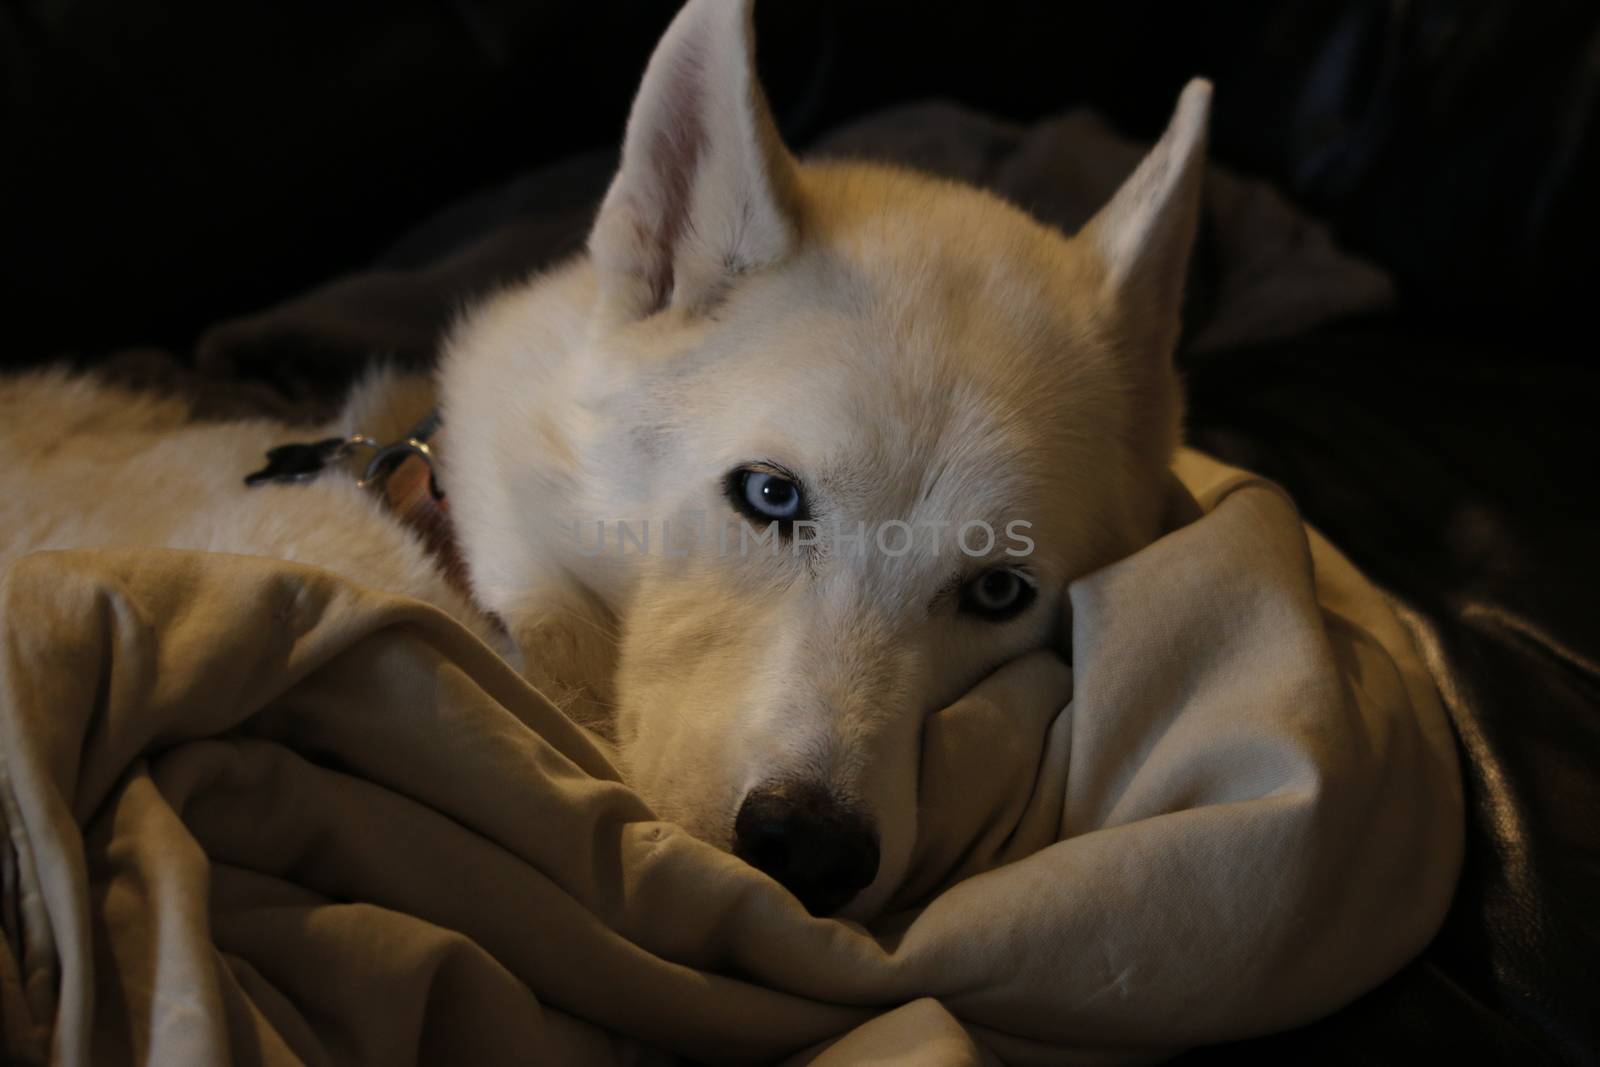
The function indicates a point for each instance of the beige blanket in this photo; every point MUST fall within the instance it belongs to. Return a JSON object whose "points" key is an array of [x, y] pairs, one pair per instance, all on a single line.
{"points": [[256, 814]]}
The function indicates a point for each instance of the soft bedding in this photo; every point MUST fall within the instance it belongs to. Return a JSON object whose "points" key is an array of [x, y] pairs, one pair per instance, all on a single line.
{"points": [[254, 813]]}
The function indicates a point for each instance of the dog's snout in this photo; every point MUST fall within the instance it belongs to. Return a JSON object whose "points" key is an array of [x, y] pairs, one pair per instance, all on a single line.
{"points": [[821, 850]]}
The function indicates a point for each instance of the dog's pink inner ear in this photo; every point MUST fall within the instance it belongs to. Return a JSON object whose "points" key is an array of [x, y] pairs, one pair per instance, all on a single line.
{"points": [[705, 190], [1144, 235], [674, 148]]}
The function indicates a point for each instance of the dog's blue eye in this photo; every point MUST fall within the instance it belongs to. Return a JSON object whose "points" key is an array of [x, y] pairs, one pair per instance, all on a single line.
{"points": [[997, 594], [771, 495], [764, 495]]}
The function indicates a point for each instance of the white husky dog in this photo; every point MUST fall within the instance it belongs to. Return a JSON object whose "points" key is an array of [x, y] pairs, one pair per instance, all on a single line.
{"points": [[822, 351]]}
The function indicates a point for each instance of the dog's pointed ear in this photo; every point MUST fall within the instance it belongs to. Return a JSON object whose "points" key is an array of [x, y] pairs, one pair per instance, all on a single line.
{"points": [[706, 189], [1143, 237]]}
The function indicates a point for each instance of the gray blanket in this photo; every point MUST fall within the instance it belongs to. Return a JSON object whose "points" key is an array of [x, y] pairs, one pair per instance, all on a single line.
{"points": [[1262, 270]]}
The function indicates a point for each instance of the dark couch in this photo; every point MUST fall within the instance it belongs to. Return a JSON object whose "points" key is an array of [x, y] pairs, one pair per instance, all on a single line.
{"points": [[169, 166]]}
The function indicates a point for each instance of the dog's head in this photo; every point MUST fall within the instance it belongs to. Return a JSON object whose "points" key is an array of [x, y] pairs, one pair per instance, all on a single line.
{"points": [[831, 444]]}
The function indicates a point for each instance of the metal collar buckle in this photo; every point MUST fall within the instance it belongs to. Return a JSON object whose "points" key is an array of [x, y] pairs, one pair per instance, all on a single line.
{"points": [[303, 461], [386, 459]]}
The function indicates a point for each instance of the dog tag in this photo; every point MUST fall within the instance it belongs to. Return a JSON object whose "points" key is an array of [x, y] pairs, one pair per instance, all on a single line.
{"points": [[299, 462]]}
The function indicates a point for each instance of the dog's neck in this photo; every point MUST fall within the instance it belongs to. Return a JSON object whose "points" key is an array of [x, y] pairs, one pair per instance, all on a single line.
{"points": [[399, 467], [411, 491]]}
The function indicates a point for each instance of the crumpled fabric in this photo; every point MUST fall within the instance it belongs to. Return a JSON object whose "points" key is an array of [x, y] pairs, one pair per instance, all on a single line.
{"points": [[254, 813]]}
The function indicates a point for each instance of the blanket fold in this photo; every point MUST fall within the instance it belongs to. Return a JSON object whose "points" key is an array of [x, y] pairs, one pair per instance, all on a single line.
{"points": [[255, 813]]}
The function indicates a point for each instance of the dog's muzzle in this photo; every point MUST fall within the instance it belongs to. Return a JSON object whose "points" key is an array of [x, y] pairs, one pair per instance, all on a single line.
{"points": [[820, 849]]}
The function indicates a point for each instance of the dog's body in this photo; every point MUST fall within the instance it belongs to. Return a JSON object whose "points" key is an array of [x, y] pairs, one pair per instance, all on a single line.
{"points": [[870, 346]]}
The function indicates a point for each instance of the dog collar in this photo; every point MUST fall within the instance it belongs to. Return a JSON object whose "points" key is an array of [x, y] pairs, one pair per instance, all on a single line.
{"points": [[301, 461], [402, 472]]}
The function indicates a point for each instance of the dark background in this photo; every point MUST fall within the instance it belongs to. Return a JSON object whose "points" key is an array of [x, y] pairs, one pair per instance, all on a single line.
{"points": [[166, 166], [169, 164]]}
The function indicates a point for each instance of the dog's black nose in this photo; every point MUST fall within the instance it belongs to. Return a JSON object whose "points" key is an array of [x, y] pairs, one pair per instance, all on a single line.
{"points": [[822, 851]]}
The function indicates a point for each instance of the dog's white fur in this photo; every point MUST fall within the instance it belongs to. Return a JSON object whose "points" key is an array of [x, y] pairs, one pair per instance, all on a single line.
{"points": [[915, 350]]}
